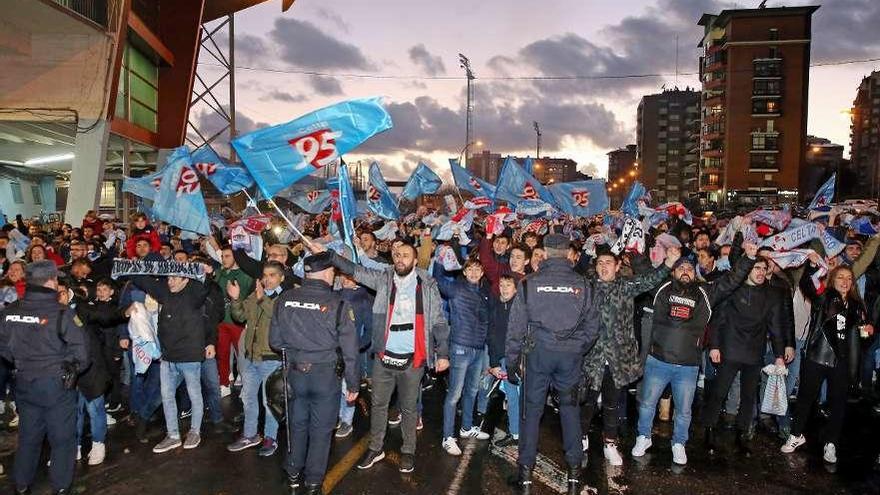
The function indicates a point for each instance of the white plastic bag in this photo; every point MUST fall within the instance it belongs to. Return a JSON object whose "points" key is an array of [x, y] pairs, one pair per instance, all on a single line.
{"points": [[775, 399]]}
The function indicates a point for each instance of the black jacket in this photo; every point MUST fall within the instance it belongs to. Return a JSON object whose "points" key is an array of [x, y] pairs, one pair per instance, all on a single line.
{"points": [[104, 317], [682, 312], [183, 332], [94, 382], [744, 321], [33, 339], [561, 308], [826, 345], [499, 315], [311, 322]]}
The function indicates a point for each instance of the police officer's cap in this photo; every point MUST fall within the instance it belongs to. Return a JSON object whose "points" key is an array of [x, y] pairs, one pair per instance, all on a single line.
{"points": [[318, 262], [556, 241]]}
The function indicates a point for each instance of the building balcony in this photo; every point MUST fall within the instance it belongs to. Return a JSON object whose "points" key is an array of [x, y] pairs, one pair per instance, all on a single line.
{"points": [[713, 101], [714, 83], [710, 187], [713, 153], [93, 10], [715, 66], [711, 136]]}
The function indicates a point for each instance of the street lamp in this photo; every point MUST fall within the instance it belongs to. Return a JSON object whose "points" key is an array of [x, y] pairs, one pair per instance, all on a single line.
{"points": [[461, 153], [632, 173]]}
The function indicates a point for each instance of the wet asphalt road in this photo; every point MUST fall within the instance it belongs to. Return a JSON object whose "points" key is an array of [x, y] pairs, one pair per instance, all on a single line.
{"points": [[131, 467]]}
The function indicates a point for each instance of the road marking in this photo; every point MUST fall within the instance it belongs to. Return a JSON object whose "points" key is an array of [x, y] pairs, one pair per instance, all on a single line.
{"points": [[461, 471], [545, 471], [343, 467]]}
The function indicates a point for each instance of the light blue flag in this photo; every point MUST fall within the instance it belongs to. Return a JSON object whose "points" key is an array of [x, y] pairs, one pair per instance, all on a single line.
{"points": [[179, 200], [825, 195], [313, 202], [422, 181], [347, 207], [582, 198], [529, 165], [465, 181], [630, 203], [143, 187], [862, 226], [514, 185], [280, 155], [380, 200], [227, 178]]}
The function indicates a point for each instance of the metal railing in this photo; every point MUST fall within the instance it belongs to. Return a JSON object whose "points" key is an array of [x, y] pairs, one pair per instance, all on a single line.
{"points": [[94, 10]]}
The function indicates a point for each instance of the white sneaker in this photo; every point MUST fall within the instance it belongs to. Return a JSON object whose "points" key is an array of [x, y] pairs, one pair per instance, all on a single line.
{"points": [[450, 445], [97, 454], [474, 432], [13, 423], [585, 443], [830, 454], [111, 420], [679, 456], [643, 443], [79, 453], [225, 391], [792, 443], [612, 455]]}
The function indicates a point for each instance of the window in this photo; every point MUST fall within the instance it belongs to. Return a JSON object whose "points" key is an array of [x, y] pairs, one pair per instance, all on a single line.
{"points": [[766, 87], [774, 34], [765, 142], [768, 68], [774, 52], [763, 161], [16, 193], [37, 194], [674, 128], [138, 96], [766, 107]]}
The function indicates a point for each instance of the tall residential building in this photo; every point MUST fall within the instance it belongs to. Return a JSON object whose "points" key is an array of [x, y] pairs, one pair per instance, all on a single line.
{"points": [[755, 75], [668, 137], [621, 162], [865, 134]]}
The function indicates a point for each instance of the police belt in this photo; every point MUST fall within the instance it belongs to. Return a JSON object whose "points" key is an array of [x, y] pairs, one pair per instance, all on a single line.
{"points": [[305, 360]]}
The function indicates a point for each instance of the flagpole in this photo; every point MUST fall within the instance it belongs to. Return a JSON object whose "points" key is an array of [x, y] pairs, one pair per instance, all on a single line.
{"points": [[250, 199], [283, 216]]}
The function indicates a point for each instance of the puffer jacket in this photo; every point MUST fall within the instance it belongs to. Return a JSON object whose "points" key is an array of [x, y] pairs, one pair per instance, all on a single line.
{"points": [[617, 343], [468, 309], [381, 281], [257, 314], [183, 328]]}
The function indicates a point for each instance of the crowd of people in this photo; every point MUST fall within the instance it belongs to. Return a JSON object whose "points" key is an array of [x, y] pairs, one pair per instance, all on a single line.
{"points": [[693, 310]]}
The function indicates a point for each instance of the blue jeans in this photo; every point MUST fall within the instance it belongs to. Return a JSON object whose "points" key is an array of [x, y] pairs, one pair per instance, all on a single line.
{"points": [[171, 376], [145, 393], [486, 382], [512, 393], [683, 380], [346, 412], [210, 392], [97, 418], [465, 365], [253, 379]]}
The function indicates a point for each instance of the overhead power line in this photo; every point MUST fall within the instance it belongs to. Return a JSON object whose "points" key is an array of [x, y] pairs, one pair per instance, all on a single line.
{"points": [[574, 77]]}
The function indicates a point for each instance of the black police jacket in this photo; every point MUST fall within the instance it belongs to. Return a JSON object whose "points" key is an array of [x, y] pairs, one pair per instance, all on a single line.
{"points": [[310, 322], [560, 307], [35, 341]]}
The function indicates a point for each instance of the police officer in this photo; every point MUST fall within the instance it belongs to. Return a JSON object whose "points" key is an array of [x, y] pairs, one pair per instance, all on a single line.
{"points": [[315, 327], [553, 323], [47, 346]]}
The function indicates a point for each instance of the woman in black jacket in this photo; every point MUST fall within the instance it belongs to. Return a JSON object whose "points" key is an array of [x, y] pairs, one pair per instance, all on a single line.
{"points": [[838, 324]]}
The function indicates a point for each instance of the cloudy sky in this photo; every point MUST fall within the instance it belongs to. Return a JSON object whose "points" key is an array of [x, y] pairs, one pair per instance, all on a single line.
{"points": [[407, 51]]}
